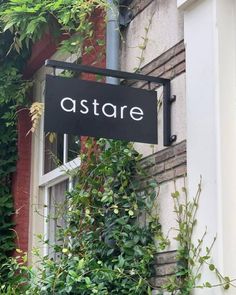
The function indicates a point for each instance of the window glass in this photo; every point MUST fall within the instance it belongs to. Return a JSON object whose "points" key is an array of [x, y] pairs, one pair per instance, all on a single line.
{"points": [[57, 207], [73, 147], [53, 151], [59, 149]]}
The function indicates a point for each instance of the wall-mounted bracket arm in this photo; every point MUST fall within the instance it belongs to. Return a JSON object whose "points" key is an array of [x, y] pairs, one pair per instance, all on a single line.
{"points": [[168, 138]]}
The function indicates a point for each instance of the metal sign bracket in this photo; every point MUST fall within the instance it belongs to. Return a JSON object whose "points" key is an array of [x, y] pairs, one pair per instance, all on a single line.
{"points": [[168, 138]]}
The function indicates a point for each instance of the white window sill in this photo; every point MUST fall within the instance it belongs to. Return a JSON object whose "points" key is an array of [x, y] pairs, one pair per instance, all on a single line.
{"points": [[59, 174]]}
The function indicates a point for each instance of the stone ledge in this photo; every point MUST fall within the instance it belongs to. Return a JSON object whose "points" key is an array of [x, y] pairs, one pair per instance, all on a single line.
{"points": [[183, 4]]}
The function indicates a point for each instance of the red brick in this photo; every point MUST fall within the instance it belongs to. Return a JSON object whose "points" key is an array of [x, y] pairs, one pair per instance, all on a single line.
{"points": [[21, 181]]}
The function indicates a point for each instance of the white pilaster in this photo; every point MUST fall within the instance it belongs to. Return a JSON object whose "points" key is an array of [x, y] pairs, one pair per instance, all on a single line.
{"points": [[211, 125]]}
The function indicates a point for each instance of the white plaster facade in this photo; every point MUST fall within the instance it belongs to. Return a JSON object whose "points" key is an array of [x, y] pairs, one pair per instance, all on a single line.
{"points": [[165, 31]]}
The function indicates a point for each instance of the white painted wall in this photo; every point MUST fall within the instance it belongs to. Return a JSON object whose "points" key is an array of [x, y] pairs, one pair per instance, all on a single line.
{"points": [[226, 140], [166, 209], [165, 31], [211, 126], [178, 119]]}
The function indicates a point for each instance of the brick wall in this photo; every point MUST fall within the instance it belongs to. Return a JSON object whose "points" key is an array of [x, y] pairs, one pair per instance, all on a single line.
{"points": [[164, 166], [97, 56], [167, 164], [164, 268], [21, 181]]}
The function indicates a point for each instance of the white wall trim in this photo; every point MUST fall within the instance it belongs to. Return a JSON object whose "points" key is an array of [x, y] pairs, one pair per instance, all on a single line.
{"points": [[211, 124]]}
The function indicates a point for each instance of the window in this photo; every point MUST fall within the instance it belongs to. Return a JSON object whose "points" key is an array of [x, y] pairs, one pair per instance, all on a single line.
{"points": [[57, 207], [53, 156], [59, 149], [60, 154]]}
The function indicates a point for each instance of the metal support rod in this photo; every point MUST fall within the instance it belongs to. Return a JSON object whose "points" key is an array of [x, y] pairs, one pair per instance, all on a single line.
{"points": [[112, 39], [103, 72]]}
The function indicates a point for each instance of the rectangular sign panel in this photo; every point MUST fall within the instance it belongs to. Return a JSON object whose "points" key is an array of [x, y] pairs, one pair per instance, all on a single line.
{"points": [[79, 107]]}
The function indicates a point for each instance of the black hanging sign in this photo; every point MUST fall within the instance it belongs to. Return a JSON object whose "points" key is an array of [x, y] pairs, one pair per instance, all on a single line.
{"points": [[79, 107]]}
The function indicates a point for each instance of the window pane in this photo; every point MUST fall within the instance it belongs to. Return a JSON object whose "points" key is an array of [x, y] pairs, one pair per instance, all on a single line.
{"points": [[73, 147], [57, 211], [53, 151]]}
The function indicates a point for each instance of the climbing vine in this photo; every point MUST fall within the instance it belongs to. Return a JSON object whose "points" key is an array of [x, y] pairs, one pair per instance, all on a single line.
{"points": [[111, 236], [22, 23], [12, 95], [104, 249], [192, 254], [108, 245]]}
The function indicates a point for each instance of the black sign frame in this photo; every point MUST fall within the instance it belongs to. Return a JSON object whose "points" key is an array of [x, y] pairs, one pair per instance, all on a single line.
{"points": [[168, 139]]}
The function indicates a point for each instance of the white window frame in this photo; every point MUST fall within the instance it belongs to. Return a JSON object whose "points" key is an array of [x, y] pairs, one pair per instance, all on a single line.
{"points": [[57, 175]]}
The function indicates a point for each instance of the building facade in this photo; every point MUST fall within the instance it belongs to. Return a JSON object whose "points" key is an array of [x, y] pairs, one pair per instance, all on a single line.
{"points": [[193, 43]]}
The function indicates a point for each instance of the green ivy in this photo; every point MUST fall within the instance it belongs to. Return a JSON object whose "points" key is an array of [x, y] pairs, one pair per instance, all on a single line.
{"points": [[22, 23], [12, 95], [112, 233], [28, 21]]}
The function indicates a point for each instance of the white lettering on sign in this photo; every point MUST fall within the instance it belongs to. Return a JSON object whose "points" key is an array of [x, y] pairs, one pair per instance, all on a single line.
{"points": [[95, 107], [111, 107], [135, 111], [72, 109], [122, 111], [84, 106], [108, 109]]}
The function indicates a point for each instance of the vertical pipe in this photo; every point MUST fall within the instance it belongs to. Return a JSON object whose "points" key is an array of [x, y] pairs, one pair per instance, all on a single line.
{"points": [[112, 39], [112, 61]]}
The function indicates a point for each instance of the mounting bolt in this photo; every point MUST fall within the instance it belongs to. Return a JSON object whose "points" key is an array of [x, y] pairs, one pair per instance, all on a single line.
{"points": [[173, 138], [173, 98]]}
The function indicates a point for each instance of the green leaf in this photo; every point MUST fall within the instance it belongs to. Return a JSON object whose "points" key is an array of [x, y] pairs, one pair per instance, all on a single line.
{"points": [[212, 267], [87, 281], [131, 212], [208, 285]]}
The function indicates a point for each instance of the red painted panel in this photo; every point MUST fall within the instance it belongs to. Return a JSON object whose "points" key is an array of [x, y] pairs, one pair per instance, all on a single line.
{"points": [[21, 181]]}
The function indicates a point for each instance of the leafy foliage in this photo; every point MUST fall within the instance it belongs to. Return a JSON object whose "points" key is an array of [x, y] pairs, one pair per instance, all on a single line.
{"points": [[191, 255], [28, 20], [23, 22], [105, 249], [15, 280], [12, 94]]}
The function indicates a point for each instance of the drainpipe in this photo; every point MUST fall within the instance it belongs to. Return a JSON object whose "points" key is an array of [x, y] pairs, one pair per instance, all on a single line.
{"points": [[112, 62], [112, 39]]}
